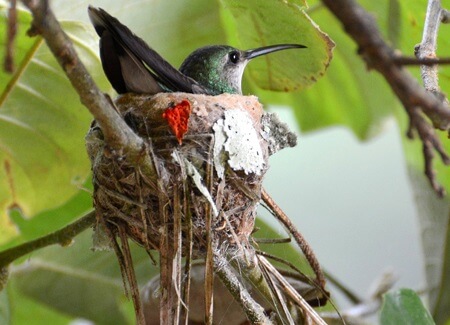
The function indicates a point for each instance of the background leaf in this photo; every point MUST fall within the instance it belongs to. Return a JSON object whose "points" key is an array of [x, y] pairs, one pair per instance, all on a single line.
{"points": [[260, 23], [404, 307], [73, 291], [42, 127], [347, 94], [77, 282]]}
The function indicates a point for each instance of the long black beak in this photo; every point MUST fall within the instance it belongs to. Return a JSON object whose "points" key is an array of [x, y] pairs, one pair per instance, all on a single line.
{"points": [[250, 54]]}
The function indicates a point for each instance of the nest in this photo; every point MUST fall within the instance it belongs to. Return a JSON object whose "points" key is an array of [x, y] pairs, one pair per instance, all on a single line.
{"points": [[193, 191], [208, 177]]}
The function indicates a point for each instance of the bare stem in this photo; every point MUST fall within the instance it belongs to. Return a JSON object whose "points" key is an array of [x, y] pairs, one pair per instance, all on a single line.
{"points": [[311, 317], [421, 61], [62, 237], [255, 313], [427, 48], [117, 134], [445, 16]]}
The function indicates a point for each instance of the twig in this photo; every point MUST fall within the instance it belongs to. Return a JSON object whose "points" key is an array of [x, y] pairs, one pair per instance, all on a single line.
{"points": [[445, 16], [259, 275], [117, 134], [309, 313], [131, 276], [361, 26], [427, 48], [255, 313], [62, 237], [316, 296], [403, 60], [430, 143]]}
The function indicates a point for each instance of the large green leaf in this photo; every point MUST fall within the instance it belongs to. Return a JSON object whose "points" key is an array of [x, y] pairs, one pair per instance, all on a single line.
{"points": [[73, 291], [261, 23], [404, 307], [51, 220], [348, 94], [78, 282], [25, 310], [42, 126]]}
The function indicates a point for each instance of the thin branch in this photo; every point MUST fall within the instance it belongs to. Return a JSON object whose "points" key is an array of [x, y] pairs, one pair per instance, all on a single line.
{"points": [[62, 237], [361, 26], [403, 60], [316, 300], [131, 276], [252, 272], [309, 313], [255, 313], [117, 134], [427, 48], [430, 144], [445, 16]]}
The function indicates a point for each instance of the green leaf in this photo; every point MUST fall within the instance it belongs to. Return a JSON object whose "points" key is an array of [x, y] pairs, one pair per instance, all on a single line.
{"points": [[30, 312], [4, 307], [348, 94], [86, 294], [261, 23], [51, 220], [79, 282], [42, 126], [404, 307]]}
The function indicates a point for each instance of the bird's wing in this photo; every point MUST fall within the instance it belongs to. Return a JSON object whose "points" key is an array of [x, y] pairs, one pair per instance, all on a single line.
{"points": [[131, 65]]}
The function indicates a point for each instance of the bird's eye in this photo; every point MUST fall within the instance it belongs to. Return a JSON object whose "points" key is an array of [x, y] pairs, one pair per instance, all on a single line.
{"points": [[234, 57]]}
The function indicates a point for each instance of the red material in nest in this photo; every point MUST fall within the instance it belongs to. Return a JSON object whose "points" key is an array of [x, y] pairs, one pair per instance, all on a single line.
{"points": [[178, 118]]}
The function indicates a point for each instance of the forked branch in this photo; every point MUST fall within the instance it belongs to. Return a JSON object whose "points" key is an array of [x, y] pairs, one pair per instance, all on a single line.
{"points": [[418, 102]]}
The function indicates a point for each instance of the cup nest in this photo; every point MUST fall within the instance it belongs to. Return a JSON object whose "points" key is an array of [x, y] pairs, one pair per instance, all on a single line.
{"points": [[211, 173]]}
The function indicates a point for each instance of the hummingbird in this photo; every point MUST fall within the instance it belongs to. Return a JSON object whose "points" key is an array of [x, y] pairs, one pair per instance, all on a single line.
{"points": [[132, 66]]}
